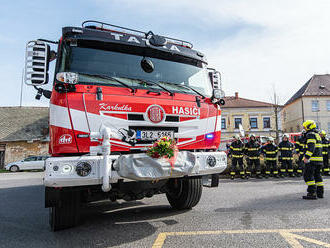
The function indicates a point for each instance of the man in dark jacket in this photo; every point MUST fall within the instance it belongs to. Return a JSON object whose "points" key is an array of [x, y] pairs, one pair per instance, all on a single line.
{"points": [[252, 150], [325, 153], [236, 151], [286, 154], [313, 160], [270, 150]]}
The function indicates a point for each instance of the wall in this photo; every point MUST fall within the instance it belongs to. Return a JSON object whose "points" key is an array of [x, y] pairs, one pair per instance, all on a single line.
{"points": [[292, 117], [245, 114], [21, 149]]}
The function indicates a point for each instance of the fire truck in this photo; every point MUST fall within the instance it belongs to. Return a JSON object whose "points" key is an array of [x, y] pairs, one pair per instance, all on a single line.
{"points": [[116, 91]]}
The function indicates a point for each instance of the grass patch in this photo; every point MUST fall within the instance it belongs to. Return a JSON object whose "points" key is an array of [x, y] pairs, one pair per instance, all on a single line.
{"points": [[3, 171]]}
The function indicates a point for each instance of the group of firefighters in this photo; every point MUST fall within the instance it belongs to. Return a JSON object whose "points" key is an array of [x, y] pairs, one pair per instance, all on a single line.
{"points": [[312, 147]]}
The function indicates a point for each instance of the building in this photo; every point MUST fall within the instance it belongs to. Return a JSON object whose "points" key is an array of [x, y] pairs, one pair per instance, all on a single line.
{"points": [[310, 102], [23, 132], [255, 116]]}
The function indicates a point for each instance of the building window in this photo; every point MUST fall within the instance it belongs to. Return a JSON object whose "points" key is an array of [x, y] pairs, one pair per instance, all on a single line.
{"points": [[223, 123], [318, 125], [315, 105], [328, 127], [237, 122], [253, 122], [298, 128], [266, 122], [328, 105], [291, 129]]}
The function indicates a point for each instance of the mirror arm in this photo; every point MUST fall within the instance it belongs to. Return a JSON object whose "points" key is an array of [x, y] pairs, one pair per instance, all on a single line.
{"points": [[42, 92], [48, 41]]}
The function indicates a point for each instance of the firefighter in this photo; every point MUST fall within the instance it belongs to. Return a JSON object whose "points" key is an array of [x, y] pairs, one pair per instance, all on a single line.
{"points": [[236, 151], [270, 150], [325, 152], [286, 154], [252, 150], [300, 150], [313, 161]]}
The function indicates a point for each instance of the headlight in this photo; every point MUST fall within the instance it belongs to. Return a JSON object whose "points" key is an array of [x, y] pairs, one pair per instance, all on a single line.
{"points": [[83, 169], [66, 169]]}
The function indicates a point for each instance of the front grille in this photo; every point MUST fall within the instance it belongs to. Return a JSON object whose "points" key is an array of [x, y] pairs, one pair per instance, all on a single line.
{"points": [[135, 117], [175, 129], [171, 118]]}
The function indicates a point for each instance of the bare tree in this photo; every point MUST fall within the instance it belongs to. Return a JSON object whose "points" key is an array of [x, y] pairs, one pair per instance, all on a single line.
{"points": [[275, 99]]}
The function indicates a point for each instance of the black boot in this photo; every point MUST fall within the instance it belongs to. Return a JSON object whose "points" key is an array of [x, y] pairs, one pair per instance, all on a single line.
{"points": [[258, 176], [310, 196], [320, 192]]}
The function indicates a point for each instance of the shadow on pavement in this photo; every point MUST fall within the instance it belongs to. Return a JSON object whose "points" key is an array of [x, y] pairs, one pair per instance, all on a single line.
{"points": [[24, 222]]}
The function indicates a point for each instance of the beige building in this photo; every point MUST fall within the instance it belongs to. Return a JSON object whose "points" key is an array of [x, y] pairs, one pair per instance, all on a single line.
{"points": [[255, 116], [23, 133], [310, 102]]}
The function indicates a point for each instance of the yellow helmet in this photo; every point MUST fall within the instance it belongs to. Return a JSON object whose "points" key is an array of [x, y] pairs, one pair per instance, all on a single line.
{"points": [[323, 133], [309, 124]]}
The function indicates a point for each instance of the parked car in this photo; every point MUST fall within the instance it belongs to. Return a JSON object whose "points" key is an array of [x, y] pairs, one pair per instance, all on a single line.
{"points": [[30, 163]]}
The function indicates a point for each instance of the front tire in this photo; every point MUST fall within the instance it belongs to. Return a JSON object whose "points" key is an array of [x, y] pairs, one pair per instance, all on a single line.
{"points": [[66, 212], [184, 193], [14, 168]]}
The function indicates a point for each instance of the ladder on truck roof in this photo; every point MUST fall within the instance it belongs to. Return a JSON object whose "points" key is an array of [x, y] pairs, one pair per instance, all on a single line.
{"points": [[102, 26]]}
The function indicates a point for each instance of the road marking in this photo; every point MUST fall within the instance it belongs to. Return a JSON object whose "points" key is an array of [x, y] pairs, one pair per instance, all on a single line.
{"points": [[287, 234]]}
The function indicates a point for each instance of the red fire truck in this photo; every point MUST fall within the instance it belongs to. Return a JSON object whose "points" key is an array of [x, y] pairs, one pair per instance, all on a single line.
{"points": [[115, 91]]}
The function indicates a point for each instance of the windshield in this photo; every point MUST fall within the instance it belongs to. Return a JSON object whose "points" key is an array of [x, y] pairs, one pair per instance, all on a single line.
{"points": [[127, 68]]}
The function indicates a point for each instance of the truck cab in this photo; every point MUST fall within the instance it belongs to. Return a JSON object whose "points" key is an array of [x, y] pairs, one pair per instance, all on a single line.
{"points": [[115, 92]]}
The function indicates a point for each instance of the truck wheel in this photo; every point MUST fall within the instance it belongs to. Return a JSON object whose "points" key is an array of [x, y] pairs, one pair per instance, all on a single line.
{"points": [[66, 213], [14, 168], [184, 193]]}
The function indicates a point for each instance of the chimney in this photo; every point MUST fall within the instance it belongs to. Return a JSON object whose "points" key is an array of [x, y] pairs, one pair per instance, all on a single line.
{"points": [[236, 95]]}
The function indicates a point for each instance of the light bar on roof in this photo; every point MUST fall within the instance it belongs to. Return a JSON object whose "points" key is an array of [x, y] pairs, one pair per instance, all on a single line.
{"points": [[115, 28]]}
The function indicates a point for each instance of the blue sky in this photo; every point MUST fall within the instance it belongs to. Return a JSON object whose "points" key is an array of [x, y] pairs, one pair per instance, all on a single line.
{"points": [[255, 46]]}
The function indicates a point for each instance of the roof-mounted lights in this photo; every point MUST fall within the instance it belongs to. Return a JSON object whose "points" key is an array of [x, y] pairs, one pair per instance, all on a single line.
{"points": [[114, 28]]}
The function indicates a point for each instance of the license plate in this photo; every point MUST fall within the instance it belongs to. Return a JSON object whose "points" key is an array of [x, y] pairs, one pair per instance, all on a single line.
{"points": [[153, 135]]}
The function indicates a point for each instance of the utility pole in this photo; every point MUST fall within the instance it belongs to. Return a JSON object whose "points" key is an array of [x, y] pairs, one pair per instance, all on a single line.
{"points": [[21, 97]]}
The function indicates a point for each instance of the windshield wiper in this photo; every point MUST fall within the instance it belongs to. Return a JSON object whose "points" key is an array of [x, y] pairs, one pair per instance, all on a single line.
{"points": [[190, 88], [155, 83], [110, 78]]}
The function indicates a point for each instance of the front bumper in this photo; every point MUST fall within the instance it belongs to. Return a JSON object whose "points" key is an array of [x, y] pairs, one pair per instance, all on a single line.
{"points": [[61, 171]]}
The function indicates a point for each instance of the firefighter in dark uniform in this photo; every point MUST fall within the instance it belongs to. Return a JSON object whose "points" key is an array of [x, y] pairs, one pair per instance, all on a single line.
{"points": [[236, 151], [270, 150], [300, 150], [252, 150], [286, 154], [325, 152], [313, 160]]}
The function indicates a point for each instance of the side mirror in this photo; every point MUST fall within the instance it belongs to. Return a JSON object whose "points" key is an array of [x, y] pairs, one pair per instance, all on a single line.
{"points": [[37, 63], [215, 77]]}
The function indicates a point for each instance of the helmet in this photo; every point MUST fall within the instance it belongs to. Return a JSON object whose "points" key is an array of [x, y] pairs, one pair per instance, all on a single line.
{"points": [[323, 133], [285, 136], [271, 139], [252, 135], [309, 125]]}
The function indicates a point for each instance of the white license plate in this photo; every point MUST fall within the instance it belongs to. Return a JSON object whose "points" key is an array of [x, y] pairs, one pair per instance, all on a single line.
{"points": [[153, 135]]}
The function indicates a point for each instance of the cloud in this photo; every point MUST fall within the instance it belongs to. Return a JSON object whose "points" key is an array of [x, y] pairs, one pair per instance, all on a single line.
{"points": [[255, 44]]}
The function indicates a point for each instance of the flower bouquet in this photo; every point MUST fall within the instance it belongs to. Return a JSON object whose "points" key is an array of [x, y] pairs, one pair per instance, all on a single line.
{"points": [[164, 148]]}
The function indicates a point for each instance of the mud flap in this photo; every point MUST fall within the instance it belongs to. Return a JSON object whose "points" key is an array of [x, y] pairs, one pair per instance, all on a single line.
{"points": [[211, 181]]}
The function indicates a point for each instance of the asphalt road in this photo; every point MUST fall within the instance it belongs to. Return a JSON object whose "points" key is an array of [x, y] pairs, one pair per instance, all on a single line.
{"points": [[240, 213]]}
